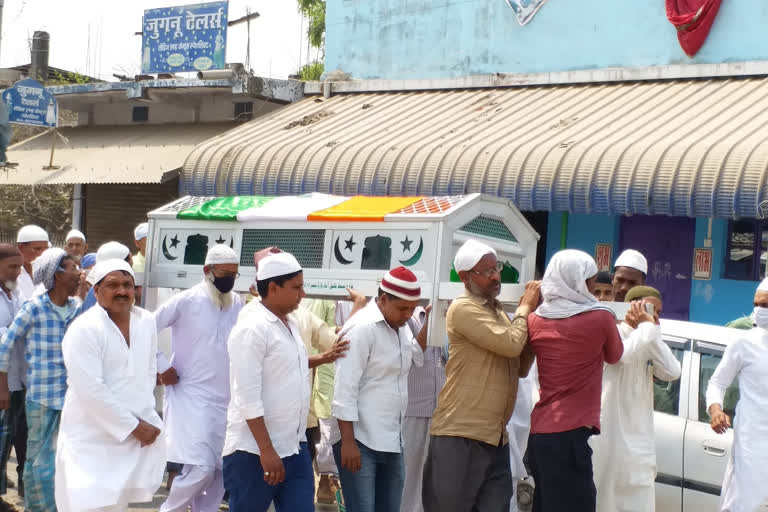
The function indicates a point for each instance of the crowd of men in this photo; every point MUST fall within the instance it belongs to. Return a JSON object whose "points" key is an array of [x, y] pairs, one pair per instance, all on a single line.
{"points": [[261, 393]]}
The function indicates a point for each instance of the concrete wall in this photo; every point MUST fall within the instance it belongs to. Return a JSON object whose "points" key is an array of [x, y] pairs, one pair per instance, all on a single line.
{"points": [[410, 39], [216, 108], [714, 302]]}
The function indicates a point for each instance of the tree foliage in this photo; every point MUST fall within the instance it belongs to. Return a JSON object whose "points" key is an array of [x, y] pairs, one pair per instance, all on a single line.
{"points": [[314, 10], [311, 72], [48, 206]]}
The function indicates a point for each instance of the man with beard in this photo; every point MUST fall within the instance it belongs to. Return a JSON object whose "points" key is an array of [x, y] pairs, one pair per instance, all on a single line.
{"points": [[75, 245], [39, 327], [196, 380], [468, 463], [13, 425]]}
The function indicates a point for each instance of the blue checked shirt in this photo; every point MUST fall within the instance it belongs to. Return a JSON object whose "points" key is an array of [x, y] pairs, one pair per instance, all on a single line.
{"points": [[41, 329]]}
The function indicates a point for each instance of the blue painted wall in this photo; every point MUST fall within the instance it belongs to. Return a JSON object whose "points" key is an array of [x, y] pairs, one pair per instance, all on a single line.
{"points": [[411, 39], [721, 300], [714, 302]]}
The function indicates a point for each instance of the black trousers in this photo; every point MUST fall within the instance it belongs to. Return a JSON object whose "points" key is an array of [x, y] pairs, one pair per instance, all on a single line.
{"points": [[561, 465], [464, 475]]}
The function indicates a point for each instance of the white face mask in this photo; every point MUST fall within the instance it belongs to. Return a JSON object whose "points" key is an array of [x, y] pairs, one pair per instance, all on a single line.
{"points": [[761, 317]]}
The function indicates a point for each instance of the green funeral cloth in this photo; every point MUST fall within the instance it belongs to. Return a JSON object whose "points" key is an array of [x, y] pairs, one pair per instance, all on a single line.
{"points": [[223, 208], [744, 322]]}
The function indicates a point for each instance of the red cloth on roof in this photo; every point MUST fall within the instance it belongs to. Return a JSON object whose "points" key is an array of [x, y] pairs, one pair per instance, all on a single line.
{"points": [[693, 20]]}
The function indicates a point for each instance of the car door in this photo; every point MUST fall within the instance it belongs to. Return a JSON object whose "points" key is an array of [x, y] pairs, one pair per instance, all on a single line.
{"points": [[705, 453], [669, 417]]}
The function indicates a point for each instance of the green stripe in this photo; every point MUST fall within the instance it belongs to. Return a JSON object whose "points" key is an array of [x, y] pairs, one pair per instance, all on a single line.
{"points": [[223, 208]]}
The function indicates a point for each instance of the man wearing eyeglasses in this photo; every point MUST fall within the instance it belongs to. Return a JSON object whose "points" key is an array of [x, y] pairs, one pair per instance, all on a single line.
{"points": [[468, 466], [196, 380]]}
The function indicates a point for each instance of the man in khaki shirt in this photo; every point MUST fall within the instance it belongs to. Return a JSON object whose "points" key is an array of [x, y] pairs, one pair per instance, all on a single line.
{"points": [[468, 462]]}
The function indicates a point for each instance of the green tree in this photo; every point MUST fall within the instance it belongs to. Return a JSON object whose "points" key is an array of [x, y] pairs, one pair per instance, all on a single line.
{"points": [[314, 10], [311, 72]]}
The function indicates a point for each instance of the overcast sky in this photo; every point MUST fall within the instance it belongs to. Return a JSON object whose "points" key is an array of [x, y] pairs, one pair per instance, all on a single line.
{"points": [[96, 37]]}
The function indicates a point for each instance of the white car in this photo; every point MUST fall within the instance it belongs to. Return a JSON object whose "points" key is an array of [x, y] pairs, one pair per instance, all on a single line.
{"points": [[690, 457]]}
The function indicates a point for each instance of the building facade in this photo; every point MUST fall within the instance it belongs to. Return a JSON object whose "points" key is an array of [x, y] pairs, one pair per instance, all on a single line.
{"points": [[600, 43]]}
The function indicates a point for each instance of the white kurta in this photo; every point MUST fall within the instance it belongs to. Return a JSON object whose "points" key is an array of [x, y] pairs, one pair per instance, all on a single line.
{"points": [[744, 488], [624, 458], [110, 385], [195, 409]]}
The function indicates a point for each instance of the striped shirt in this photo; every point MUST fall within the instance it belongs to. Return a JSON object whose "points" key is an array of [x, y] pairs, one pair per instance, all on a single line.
{"points": [[425, 382], [40, 326]]}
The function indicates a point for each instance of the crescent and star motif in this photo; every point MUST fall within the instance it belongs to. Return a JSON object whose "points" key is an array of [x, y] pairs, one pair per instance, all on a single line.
{"points": [[168, 255], [417, 256], [337, 252]]}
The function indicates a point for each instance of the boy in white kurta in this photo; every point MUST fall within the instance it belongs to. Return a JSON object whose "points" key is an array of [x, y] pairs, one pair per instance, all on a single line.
{"points": [[624, 457], [110, 451]]}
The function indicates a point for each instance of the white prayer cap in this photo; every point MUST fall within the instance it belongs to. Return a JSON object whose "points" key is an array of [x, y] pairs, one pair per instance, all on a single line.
{"points": [[105, 267], [221, 254], [469, 254], [632, 259], [275, 265], [112, 250], [141, 231], [763, 286], [31, 233], [75, 234]]}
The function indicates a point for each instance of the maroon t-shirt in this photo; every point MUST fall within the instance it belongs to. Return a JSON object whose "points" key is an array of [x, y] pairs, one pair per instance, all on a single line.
{"points": [[570, 354]]}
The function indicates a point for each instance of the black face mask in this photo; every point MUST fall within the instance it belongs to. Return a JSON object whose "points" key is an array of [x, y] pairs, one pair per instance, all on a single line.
{"points": [[224, 284]]}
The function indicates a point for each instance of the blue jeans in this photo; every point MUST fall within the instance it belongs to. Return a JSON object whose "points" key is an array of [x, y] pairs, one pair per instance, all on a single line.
{"points": [[248, 492], [378, 486]]}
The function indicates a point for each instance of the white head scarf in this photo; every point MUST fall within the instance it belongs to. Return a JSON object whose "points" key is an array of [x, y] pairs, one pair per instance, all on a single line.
{"points": [[564, 289], [763, 286], [469, 254]]}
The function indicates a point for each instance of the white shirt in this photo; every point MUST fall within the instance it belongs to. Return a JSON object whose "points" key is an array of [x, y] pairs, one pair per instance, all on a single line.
{"points": [[195, 408], [110, 386], [17, 371], [744, 488], [371, 387], [269, 377], [25, 285], [624, 457]]}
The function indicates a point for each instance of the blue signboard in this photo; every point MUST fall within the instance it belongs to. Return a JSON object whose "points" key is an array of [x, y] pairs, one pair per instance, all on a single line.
{"points": [[186, 38], [29, 102]]}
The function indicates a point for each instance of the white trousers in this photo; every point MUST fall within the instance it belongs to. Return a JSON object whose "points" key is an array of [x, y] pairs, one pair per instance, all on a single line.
{"points": [[199, 487], [123, 507], [416, 437], [326, 465]]}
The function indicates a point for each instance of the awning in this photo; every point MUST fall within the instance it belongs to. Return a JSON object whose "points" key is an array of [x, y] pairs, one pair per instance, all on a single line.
{"points": [[107, 154], [684, 148]]}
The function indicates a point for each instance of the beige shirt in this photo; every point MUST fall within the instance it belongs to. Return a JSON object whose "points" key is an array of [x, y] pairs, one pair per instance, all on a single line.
{"points": [[488, 354]]}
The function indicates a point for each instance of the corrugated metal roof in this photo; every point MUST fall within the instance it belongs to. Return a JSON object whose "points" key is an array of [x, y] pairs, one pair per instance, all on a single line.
{"points": [[108, 154], [683, 148]]}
